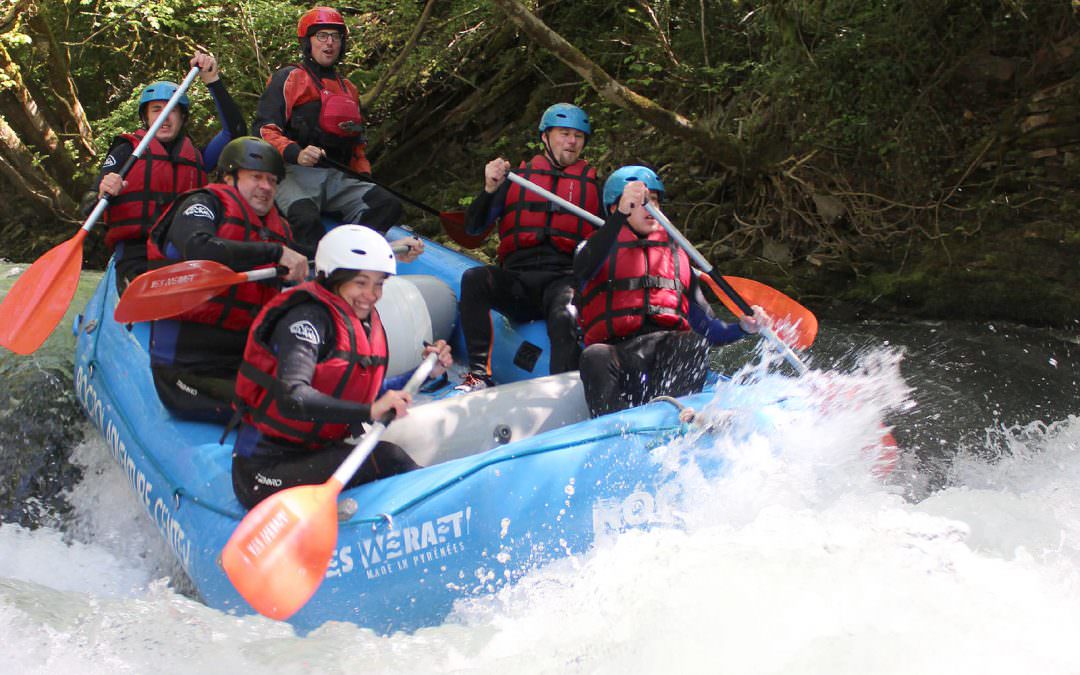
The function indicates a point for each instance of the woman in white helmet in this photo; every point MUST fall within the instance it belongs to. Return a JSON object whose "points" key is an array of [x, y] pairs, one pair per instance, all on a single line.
{"points": [[313, 372]]}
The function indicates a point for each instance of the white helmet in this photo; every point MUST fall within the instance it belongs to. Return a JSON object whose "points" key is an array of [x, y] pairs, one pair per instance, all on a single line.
{"points": [[354, 247]]}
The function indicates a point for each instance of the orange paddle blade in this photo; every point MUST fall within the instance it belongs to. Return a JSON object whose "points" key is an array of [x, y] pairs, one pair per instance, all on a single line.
{"points": [[36, 303], [278, 555], [454, 224], [172, 290], [794, 324]]}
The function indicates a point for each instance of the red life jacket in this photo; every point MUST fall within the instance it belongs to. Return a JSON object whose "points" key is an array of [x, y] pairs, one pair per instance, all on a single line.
{"points": [[236, 308], [642, 278], [339, 111], [154, 181], [530, 219], [353, 371]]}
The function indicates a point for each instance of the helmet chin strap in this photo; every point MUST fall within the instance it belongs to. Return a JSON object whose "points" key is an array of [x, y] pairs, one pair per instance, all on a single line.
{"points": [[550, 154]]}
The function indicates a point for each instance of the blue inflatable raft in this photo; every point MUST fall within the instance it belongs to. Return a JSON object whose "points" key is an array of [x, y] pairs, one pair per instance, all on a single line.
{"points": [[515, 476]]}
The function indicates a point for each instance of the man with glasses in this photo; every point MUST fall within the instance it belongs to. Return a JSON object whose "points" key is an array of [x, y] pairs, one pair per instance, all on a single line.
{"points": [[311, 114]]}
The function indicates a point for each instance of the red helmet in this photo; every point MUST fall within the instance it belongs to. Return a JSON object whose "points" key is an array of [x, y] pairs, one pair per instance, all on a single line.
{"points": [[320, 16]]}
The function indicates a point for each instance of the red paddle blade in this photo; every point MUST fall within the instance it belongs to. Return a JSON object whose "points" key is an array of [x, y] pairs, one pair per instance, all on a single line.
{"points": [[794, 324], [454, 224], [278, 555], [172, 290], [36, 303]]}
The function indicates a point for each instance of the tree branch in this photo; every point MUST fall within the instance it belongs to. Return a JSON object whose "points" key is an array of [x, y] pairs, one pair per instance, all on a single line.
{"points": [[368, 99], [721, 148]]}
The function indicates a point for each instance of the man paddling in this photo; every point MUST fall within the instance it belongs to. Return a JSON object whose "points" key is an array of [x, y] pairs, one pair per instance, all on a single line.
{"points": [[534, 278], [170, 166], [647, 326], [195, 356], [310, 113]]}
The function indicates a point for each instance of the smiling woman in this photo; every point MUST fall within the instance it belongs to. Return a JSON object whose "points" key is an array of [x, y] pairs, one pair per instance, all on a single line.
{"points": [[313, 373]]}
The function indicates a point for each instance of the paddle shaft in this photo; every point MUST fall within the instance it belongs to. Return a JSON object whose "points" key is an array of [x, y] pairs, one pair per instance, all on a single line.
{"points": [[699, 260], [352, 463], [271, 272], [695, 257], [103, 202], [551, 196]]}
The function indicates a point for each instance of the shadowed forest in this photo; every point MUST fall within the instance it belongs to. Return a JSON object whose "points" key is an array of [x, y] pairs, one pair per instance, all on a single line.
{"points": [[913, 158]]}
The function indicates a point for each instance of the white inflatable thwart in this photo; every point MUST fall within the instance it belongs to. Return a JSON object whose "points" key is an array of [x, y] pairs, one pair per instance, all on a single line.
{"points": [[462, 426], [414, 309]]}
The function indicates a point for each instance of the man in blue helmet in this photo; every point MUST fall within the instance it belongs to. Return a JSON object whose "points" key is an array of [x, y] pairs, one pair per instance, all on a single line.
{"points": [[534, 277], [170, 165], [647, 325]]}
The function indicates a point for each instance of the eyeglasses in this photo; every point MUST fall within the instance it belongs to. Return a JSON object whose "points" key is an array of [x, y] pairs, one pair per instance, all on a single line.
{"points": [[328, 35]]}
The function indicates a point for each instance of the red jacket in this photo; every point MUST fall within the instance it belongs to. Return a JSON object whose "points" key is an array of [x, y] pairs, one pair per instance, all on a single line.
{"points": [[299, 109], [642, 278], [154, 181], [236, 308], [353, 371], [530, 219]]}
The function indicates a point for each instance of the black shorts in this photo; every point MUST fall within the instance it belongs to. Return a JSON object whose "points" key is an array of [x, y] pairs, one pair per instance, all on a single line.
{"points": [[273, 469]]}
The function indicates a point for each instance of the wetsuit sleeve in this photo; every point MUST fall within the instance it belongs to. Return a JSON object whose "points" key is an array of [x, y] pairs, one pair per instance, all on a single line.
{"points": [[232, 120], [271, 119], [193, 236], [596, 249], [232, 123], [297, 356], [486, 210], [704, 321], [114, 161]]}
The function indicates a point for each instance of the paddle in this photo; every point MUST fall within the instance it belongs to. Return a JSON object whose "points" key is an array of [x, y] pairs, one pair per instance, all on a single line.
{"points": [[453, 222], [741, 304], [172, 290], [802, 322], [37, 302], [278, 554]]}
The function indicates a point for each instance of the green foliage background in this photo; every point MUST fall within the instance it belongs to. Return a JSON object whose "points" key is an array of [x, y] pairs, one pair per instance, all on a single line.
{"points": [[891, 160]]}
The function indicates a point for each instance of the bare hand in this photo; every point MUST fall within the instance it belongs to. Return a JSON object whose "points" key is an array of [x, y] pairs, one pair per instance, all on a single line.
{"points": [[111, 184], [495, 173], [415, 247], [445, 358], [295, 263], [752, 324], [633, 195], [208, 69], [310, 156], [396, 400]]}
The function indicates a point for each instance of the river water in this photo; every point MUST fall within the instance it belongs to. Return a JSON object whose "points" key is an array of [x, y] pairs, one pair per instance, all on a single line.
{"points": [[966, 560]]}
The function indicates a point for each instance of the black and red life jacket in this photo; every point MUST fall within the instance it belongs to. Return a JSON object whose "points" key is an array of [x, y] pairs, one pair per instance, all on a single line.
{"points": [[154, 181], [339, 111], [530, 219], [643, 278], [235, 309], [353, 371]]}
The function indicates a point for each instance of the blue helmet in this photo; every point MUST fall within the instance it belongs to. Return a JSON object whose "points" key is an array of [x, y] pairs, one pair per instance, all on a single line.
{"points": [[615, 183], [162, 91], [566, 115]]}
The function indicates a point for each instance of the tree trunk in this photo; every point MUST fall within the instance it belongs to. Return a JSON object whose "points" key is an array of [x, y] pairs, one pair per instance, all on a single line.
{"points": [[69, 108], [721, 148], [24, 115], [30, 179]]}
